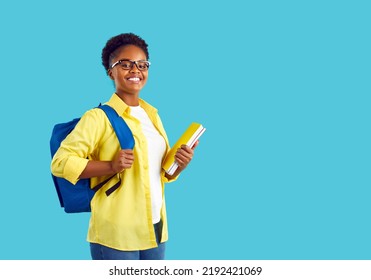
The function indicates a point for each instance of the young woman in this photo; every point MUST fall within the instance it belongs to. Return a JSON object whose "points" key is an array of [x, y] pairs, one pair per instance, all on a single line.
{"points": [[131, 222]]}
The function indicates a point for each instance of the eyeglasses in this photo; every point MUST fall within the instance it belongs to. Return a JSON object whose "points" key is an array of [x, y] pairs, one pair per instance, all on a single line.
{"points": [[127, 64]]}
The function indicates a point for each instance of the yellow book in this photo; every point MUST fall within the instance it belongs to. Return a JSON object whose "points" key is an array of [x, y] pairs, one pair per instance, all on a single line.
{"points": [[189, 138]]}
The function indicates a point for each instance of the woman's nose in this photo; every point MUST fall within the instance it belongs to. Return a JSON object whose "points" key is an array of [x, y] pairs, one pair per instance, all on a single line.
{"points": [[135, 68]]}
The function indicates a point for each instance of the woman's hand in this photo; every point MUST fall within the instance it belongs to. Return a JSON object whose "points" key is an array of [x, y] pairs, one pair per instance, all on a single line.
{"points": [[183, 157], [124, 160]]}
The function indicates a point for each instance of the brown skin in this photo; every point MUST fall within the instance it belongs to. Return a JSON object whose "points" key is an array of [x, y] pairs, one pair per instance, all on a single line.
{"points": [[183, 157], [128, 91]]}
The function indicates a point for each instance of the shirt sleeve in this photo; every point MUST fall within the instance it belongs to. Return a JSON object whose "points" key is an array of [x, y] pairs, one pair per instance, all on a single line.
{"points": [[77, 148], [165, 179]]}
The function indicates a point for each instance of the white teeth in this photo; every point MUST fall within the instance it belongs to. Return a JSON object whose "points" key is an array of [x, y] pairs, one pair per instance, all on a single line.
{"points": [[136, 79]]}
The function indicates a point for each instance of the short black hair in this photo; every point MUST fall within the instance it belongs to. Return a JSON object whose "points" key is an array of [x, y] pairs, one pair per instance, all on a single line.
{"points": [[119, 41]]}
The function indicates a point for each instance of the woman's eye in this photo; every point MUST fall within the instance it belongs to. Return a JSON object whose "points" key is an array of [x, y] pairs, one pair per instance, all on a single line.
{"points": [[125, 65]]}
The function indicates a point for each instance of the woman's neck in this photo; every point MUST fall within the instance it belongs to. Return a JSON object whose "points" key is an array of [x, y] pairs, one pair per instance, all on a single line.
{"points": [[129, 99]]}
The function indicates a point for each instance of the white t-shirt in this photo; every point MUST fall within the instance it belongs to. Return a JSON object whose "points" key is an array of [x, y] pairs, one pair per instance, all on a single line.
{"points": [[156, 149]]}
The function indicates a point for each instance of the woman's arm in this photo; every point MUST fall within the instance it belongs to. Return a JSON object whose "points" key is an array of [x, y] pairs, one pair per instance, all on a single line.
{"points": [[123, 160]]}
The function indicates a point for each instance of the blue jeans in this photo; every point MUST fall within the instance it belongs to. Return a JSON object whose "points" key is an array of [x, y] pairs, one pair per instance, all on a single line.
{"points": [[101, 252]]}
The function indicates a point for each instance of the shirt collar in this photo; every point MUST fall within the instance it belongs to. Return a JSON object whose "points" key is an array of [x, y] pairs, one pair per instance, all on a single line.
{"points": [[147, 107], [120, 106]]}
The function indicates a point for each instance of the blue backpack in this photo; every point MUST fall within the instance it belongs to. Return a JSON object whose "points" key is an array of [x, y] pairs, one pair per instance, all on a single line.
{"points": [[76, 198]]}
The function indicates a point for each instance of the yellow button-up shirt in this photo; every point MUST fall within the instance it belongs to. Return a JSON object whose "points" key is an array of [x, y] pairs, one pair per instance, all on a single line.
{"points": [[122, 220]]}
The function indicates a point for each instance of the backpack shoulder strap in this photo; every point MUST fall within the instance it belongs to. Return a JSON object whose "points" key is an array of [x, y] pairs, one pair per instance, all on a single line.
{"points": [[120, 127], [124, 135]]}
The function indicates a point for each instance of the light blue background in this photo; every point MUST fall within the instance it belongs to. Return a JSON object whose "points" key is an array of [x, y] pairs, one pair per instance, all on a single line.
{"points": [[283, 88]]}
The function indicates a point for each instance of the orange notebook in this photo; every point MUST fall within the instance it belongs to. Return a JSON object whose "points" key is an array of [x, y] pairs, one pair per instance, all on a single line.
{"points": [[189, 138]]}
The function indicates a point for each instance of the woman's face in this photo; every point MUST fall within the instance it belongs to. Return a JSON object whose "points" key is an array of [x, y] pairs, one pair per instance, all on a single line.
{"points": [[128, 81]]}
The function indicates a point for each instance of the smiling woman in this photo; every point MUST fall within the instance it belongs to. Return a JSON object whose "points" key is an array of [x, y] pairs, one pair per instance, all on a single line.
{"points": [[131, 222]]}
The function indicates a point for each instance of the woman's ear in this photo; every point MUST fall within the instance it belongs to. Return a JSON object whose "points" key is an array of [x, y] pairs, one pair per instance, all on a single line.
{"points": [[109, 73]]}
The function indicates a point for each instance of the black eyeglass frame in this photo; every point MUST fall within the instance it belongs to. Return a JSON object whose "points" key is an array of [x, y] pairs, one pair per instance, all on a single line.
{"points": [[132, 64]]}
